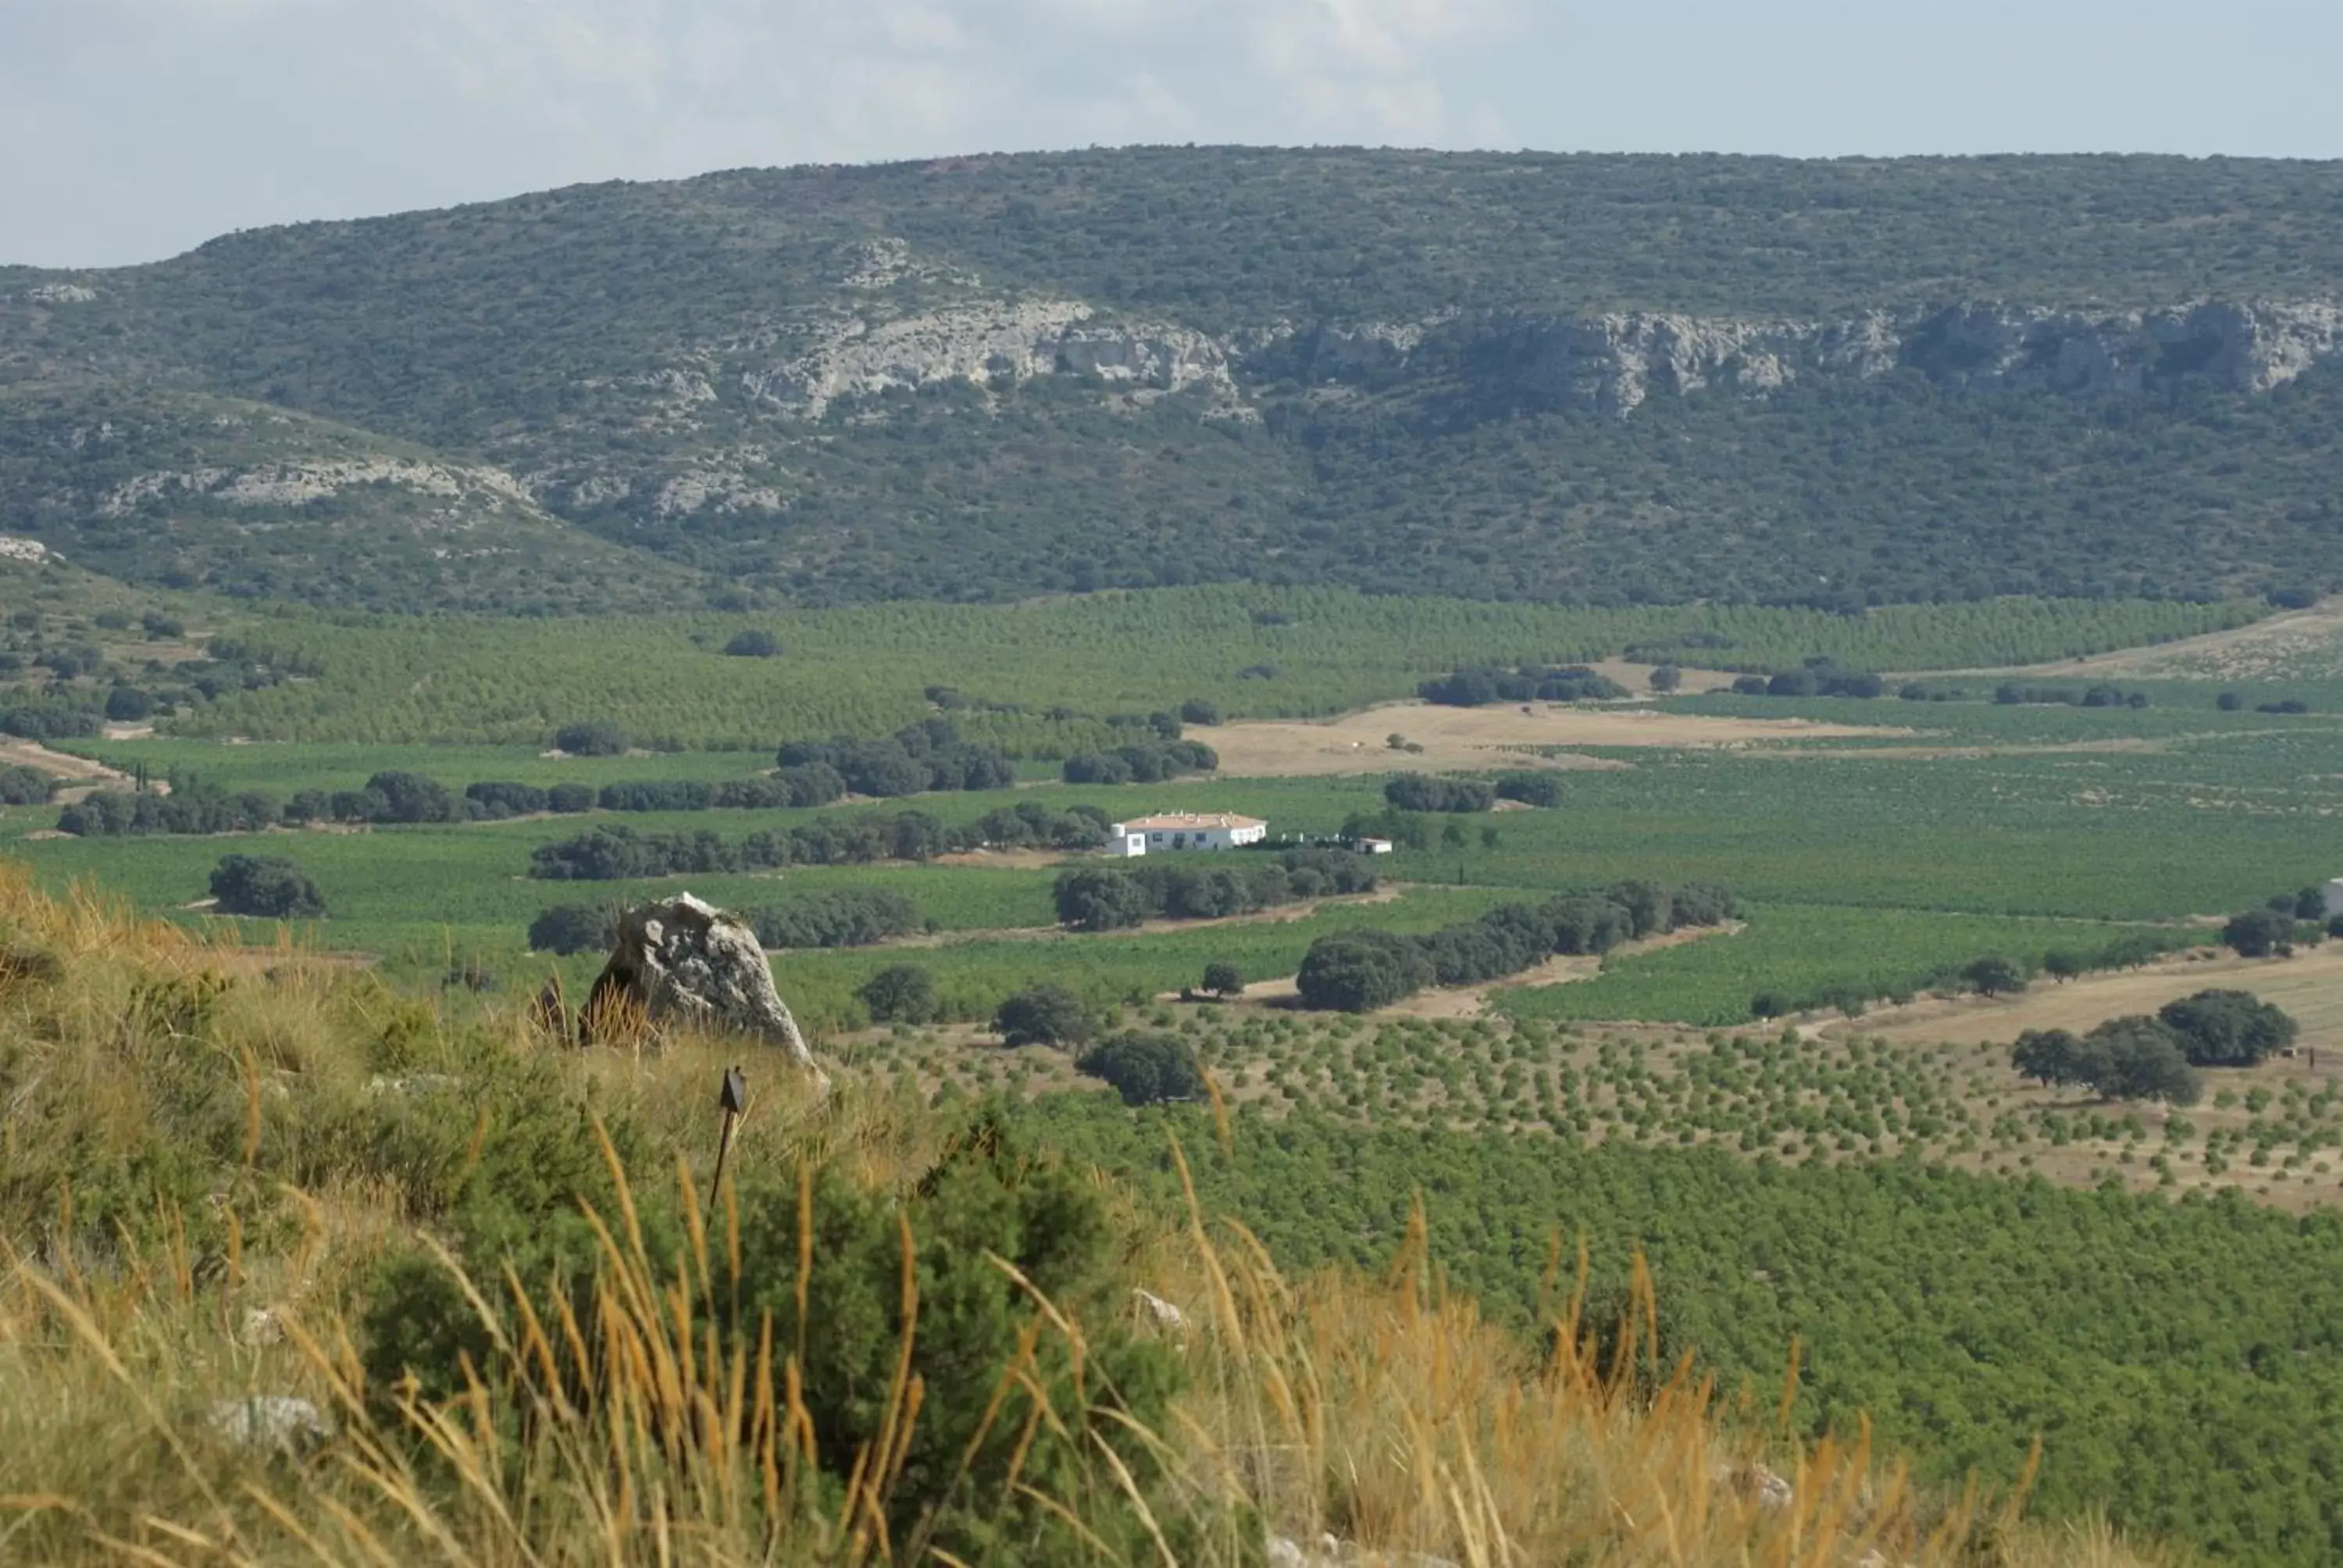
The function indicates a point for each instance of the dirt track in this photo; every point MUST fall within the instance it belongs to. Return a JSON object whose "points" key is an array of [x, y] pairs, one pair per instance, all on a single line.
{"points": [[84, 774], [2265, 648], [1498, 735]]}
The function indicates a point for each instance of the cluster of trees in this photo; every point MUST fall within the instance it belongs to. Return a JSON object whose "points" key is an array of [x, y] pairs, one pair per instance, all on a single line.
{"points": [[1538, 789], [1140, 762], [1479, 687], [616, 853], [918, 757], [1145, 1067], [1820, 676], [264, 887], [2010, 694], [111, 813], [1357, 971], [25, 786], [2141, 1057], [50, 720], [1427, 792], [1113, 897], [2287, 918], [1042, 1015], [837, 918], [593, 738]]}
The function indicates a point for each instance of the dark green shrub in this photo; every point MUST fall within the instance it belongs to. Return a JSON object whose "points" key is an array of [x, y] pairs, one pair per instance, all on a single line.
{"points": [[754, 643], [1042, 1015], [900, 993], [264, 887], [592, 738], [568, 929], [983, 1202], [1145, 1069]]}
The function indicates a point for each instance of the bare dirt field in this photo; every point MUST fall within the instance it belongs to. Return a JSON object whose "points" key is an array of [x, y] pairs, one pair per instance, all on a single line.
{"points": [[1497, 736]]}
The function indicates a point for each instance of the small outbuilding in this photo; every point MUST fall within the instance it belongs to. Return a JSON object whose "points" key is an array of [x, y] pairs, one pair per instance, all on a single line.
{"points": [[2334, 897]]}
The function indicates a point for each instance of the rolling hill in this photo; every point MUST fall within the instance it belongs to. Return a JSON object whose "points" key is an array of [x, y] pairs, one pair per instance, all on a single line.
{"points": [[1601, 379]]}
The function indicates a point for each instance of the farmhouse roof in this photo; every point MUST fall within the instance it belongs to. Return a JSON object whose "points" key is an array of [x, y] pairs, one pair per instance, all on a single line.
{"points": [[1188, 822]]}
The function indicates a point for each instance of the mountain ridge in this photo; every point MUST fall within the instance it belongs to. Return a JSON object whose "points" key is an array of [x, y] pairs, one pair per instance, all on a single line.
{"points": [[979, 378]]}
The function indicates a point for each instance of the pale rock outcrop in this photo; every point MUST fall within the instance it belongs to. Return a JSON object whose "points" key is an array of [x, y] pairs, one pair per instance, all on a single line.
{"points": [[268, 1422], [61, 294], [986, 342], [32, 552], [1612, 363], [295, 482], [686, 961]]}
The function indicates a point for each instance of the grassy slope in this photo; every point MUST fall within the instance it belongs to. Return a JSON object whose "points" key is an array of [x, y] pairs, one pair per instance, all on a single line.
{"points": [[138, 1082]]}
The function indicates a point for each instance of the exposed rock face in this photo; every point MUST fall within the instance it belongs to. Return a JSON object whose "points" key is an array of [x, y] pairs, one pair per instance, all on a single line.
{"points": [[685, 960], [295, 483], [1608, 363], [267, 1422], [1613, 363], [32, 552], [988, 342]]}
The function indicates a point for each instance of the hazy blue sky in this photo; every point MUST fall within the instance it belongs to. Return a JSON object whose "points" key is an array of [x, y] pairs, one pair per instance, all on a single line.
{"points": [[132, 129]]}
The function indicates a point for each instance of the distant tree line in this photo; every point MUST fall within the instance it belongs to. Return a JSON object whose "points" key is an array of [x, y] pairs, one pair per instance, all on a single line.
{"points": [[1357, 971], [393, 798], [836, 918], [616, 853], [2010, 694], [1428, 792], [1114, 897], [1141, 762], [1477, 688], [1819, 676]]}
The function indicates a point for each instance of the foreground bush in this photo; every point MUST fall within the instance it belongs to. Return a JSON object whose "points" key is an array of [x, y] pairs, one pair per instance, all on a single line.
{"points": [[532, 1342]]}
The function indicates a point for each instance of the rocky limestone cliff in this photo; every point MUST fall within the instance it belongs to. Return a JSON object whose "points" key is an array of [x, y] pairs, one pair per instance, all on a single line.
{"points": [[1613, 363], [292, 484], [989, 342], [1607, 363]]}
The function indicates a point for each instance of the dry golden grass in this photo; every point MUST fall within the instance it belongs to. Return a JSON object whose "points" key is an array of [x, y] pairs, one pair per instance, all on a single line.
{"points": [[1383, 1411]]}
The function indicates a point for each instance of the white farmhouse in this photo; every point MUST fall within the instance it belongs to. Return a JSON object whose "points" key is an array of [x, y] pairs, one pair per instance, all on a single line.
{"points": [[2334, 897], [1185, 830]]}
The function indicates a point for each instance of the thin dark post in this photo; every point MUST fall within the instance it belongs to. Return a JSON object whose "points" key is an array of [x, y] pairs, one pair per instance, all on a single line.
{"points": [[734, 1099]]}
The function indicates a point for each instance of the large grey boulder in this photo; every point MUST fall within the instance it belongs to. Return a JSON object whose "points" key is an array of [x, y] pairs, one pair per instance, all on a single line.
{"points": [[686, 961]]}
